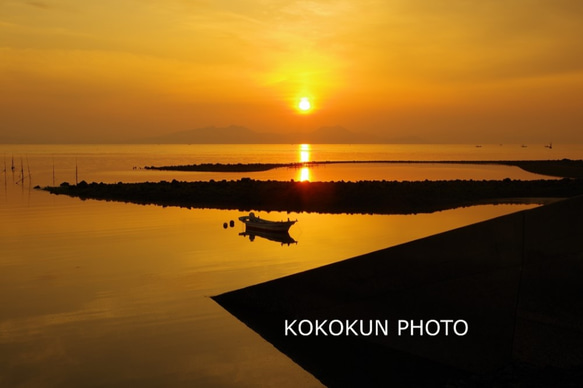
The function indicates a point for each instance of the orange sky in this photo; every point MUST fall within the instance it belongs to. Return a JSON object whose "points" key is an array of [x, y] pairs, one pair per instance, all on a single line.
{"points": [[445, 71]]}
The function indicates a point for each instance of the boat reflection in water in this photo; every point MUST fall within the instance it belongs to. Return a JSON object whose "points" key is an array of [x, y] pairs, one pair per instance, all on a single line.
{"points": [[271, 230], [280, 237]]}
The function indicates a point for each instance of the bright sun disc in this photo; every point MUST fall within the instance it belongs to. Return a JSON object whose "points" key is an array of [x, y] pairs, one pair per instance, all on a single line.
{"points": [[305, 104]]}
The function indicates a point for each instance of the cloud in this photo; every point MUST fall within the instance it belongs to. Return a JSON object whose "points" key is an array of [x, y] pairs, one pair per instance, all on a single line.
{"points": [[460, 41], [38, 4]]}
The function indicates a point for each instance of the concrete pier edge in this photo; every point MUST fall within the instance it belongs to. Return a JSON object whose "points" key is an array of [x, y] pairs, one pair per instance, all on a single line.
{"points": [[516, 280]]}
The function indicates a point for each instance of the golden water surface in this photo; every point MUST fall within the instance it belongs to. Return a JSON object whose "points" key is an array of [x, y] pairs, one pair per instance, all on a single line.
{"points": [[96, 293]]}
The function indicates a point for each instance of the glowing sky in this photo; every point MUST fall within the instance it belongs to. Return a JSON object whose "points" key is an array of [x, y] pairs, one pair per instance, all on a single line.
{"points": [[442, 70]]}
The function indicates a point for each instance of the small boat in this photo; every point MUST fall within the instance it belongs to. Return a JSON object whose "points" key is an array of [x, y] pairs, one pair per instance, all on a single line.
{"points": [[255, 223]]}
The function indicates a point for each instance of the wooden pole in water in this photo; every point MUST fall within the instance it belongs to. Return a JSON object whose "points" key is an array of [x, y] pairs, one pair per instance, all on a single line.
{"points": [[29, 173]]}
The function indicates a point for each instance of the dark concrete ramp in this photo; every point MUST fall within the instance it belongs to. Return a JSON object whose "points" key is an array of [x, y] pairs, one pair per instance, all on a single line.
{"points": [[517, 281]]}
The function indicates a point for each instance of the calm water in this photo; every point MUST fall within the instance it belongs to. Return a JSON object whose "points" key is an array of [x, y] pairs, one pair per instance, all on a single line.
{"points": [[112, 163], [97, 293]]}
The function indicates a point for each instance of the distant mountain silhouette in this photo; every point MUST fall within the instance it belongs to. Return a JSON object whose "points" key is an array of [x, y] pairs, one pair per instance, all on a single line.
{"points": [[216, 135], [242, 135]]}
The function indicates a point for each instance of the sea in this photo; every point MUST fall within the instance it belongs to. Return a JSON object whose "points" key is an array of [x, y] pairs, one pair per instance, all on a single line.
{"points": [[103, 293]]}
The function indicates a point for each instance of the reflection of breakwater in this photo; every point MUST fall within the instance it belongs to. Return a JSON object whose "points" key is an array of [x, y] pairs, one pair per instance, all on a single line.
{"points": [[561, 168], [379, 197]]}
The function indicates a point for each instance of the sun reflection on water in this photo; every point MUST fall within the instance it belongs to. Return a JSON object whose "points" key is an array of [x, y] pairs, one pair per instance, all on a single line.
{"points": [[305, 152], [305, 156], [304, 174]]}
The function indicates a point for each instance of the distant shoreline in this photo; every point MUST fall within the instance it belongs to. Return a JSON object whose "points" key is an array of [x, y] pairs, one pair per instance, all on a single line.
{"points": [[564, 168]]}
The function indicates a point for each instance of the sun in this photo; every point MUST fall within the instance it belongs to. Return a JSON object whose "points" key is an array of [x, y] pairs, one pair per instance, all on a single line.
{"points": [[304, 104]]}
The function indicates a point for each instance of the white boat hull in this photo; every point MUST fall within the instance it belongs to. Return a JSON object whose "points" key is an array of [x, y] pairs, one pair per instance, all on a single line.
{"points": [[255, 223]]}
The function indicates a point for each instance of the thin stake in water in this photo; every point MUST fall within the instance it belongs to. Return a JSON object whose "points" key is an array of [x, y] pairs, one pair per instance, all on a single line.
{"points": [[29, 173], [21, 173], [5, 172]]}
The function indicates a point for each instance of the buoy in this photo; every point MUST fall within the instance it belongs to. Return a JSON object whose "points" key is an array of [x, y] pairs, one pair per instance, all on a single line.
{"points": [[225, 225], [231, 223]]}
